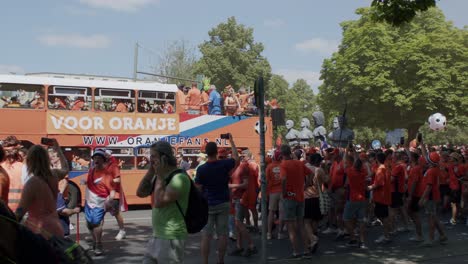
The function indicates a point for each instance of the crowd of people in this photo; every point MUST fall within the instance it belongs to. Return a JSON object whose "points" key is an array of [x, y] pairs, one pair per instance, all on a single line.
{"points": [[35, 191], [310, 191], [209, 101]]}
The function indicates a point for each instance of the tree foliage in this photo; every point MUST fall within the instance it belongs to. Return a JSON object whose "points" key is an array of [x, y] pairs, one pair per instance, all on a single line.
{"points": [[178, 60], [365, 135], [231, 56], [395, 77], [397, 12]]}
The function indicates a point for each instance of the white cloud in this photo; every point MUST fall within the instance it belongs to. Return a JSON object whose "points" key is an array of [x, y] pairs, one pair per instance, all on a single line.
{"points": [[311, 77], [119, 5], [10, 69], [320, 45], [95, 41], [273, 23]]}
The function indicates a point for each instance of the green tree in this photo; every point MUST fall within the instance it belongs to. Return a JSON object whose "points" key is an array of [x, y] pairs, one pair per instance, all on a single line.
{"points": [[395, 77], [178, 60], [300, 102], [278, 88], [231, 56], [365, 136], [397, 12], [456, 135]]}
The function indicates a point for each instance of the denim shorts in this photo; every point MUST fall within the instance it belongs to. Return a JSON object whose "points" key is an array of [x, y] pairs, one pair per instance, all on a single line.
{"points": [[218, 218], [293, 209], [355, 210]]}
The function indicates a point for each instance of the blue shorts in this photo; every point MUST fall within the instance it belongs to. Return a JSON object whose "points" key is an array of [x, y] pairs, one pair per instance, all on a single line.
{"points": [[94, 216], [355, 210]]}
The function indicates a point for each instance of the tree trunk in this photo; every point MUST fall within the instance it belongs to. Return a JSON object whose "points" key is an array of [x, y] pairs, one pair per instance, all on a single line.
{"points": [[413, 131]]}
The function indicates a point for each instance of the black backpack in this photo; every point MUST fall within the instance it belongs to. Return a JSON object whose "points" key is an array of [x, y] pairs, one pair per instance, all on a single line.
{"points": [[196, 216]]}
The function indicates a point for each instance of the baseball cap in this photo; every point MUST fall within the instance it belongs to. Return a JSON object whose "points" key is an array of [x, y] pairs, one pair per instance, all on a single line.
{"points": [[434, 158], [99, 153]]}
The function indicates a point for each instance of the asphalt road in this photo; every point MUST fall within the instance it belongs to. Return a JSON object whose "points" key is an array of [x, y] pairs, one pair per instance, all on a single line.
{"points": [[138, 228]]}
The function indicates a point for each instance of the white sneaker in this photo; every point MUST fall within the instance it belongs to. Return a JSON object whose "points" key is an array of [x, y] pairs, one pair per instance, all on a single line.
{"points": [[121, 235], [329, 231], [71, 226]]}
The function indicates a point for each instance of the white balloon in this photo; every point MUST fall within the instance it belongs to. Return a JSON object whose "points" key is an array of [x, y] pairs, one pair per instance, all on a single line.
{"points": [[437, 121]]}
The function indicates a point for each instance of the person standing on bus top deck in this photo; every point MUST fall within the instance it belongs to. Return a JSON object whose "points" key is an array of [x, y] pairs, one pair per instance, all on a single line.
{"points": [[100, 194], [13, 164], [181, 96], [213, 180], [204, 99], [113, 167], [193, 98], [168, 108], [214, 101], [169, 229]]}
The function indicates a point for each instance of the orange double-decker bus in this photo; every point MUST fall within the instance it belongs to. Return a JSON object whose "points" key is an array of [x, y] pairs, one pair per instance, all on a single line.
{"points": [[124, 117]]}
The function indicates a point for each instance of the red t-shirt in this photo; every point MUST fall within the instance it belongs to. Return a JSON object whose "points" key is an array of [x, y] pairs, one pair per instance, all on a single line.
{"points": [[431, 177], [273, 177], [249, 197], [416, 176], [294, 172], [398, 175], [240, 174], [357, 184], [337, 175], [382, 194], [455, 172]]}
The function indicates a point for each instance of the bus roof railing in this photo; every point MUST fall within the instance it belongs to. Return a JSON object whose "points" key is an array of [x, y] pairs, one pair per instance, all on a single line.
{"points": [[69, 81]]}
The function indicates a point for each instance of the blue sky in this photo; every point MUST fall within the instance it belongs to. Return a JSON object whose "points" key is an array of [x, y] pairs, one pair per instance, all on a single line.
{"points": [[98, 36]]}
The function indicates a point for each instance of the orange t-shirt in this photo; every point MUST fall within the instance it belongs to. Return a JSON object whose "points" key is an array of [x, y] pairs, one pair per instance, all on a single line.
{"points": [[249, 197], [4, 184], [193, 99], [204, 98], [416, 176], [431, 177], [294, 172], [398, 174], [382, 194], [337, 175], [273, 177], [357, 184], [239, 174], [181, 97]]}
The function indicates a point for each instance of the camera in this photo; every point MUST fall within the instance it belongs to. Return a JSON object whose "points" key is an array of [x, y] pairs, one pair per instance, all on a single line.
{"points": [[224, 136], [47, 141]]}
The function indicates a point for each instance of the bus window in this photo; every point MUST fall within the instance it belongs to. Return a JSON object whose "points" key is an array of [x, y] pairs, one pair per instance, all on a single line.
{"points": [[24, 96], [192, 155], [156, 102], [143, 157], [69, 98], [79, 158], [124, 157], [112, 100]]}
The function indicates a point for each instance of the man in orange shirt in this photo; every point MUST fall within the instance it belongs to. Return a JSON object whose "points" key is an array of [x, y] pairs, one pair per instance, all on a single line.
{"points": [[293, 174], [193, 98], [381, 194], [337, 177], [398, 176], [430, 199], [249, 198], [181, 96], [274, 192], [415, 191]]}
